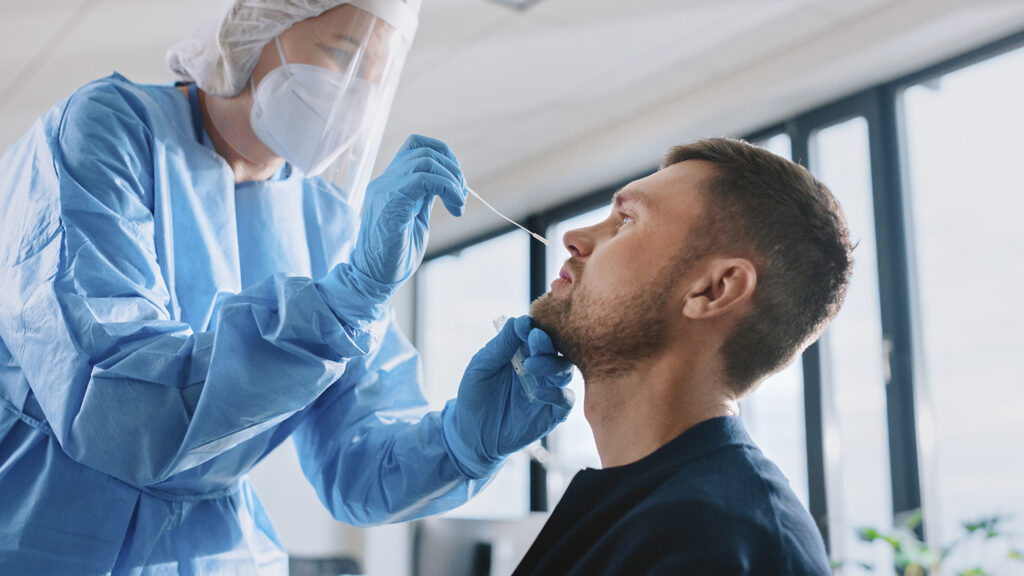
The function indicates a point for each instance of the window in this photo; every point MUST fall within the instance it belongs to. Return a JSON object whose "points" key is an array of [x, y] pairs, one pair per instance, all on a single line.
{"points": [[966, 190], [856, 444], [454, 308], [779, 144], [774, 413], [572, 443]]}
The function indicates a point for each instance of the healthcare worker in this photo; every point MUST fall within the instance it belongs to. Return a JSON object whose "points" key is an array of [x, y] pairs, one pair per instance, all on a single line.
{"points": [[180, 292]]}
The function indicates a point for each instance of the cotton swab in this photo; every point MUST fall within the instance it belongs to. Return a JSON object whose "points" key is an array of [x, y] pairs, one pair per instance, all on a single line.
{"points": [[542, 239]]}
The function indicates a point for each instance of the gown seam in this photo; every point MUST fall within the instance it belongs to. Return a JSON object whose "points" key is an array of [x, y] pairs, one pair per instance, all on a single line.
{"points": [[20, 414]]}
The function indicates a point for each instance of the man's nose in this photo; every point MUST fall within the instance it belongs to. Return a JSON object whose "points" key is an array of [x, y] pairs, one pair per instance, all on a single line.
{"points": [[579, 242]]}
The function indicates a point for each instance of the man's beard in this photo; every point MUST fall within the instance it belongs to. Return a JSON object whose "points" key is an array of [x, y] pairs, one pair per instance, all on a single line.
{"points": [[607, 338]]}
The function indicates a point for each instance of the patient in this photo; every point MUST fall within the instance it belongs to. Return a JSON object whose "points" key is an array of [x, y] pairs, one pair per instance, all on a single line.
{"points": [[709, 275]]}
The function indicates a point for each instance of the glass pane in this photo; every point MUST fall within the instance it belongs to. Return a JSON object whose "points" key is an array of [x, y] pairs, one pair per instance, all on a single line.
{"points": [[572, 443], [966, 197], [774, 413], [457, 297], [779, 144], [856, 440], [774, 416]]}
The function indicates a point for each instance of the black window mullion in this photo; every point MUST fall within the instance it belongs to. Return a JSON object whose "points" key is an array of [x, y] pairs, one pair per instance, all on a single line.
{"points": [[894, 297], [538, 286], [817, 501], [539, 255]]}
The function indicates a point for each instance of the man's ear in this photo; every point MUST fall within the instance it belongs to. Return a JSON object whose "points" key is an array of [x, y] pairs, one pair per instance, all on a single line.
{"points": [[725, 285]]}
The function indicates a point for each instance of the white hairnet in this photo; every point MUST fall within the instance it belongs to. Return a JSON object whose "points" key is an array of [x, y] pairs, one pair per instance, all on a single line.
{"points": [[220, 56]]}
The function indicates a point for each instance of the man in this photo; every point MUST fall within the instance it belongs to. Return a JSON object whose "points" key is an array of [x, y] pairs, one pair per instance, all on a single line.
{"points": [[181, 292], [709, 275]]}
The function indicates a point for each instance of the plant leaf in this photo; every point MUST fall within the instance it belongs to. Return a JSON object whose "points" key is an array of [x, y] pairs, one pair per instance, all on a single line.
{"points": [[914, 519], [868, 534]]}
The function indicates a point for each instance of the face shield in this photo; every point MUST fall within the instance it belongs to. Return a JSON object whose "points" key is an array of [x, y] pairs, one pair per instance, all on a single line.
{"points": [[324, 108]]}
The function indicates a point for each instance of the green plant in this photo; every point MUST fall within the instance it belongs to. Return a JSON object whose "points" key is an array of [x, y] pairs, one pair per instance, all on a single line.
{"points": [[912, 557]]}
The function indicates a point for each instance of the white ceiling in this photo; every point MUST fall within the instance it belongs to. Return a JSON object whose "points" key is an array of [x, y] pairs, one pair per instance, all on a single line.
{"points": [[551, 102]]}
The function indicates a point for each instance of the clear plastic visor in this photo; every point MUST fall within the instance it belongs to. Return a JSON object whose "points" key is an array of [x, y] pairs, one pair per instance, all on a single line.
{"points": [[363, 56]]}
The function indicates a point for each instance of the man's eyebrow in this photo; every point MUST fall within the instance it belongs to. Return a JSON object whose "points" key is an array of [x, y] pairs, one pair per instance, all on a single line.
{"points": [[624, 196]]}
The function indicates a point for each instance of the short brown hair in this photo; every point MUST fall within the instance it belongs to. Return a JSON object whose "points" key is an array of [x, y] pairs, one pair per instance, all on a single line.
{"points": [[792, 228]]}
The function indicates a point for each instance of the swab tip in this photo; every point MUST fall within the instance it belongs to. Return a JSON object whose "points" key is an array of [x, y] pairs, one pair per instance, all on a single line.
{"points": [[542, 239]]}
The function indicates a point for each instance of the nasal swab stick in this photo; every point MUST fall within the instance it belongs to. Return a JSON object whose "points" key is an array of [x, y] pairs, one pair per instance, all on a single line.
{"points": [[542, 239]]}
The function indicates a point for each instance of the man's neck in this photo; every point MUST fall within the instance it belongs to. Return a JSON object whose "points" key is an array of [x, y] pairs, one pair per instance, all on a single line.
{"points": [[634, 414]]}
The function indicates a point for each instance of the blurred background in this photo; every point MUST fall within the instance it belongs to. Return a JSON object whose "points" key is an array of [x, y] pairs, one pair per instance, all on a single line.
{"points": [[906, 412]]}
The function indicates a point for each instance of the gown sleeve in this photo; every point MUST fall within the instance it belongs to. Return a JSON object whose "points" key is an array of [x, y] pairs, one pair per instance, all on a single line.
{"points": [[371, 449], [126, 388]]}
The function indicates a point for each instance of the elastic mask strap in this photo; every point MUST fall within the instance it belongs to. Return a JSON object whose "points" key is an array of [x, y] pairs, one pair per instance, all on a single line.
{"points": [[280, 52], [287, 70], [284, 64]]}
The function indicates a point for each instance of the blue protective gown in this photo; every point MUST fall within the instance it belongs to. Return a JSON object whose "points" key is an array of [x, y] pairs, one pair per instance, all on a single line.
{"points": [[160, 333]]}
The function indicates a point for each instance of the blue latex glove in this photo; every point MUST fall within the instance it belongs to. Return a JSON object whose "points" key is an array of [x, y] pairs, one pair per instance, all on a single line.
{"points": [[492, 416], [394, 230], [393, 233]]}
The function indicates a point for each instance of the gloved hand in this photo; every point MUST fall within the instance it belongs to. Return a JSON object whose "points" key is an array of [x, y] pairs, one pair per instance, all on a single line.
{"points": [[492, 416], [393, 234]]}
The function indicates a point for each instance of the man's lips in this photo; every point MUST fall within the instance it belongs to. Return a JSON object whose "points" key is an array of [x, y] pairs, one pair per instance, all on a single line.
{"points": [[568, 274], [571, 270]]}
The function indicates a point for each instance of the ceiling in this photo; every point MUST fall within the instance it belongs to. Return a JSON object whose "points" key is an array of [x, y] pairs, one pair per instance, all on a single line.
{"points": [[547, 103]]}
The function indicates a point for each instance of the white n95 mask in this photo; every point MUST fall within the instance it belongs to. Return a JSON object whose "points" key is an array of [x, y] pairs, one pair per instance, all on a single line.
{"points": [[307, 114]]}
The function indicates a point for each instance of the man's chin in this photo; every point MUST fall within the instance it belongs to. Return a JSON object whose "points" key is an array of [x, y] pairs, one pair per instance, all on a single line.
{"points": [[541, 311], [551, 316]]}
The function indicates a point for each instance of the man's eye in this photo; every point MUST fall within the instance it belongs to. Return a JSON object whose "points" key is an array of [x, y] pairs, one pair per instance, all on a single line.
{"points": [[626, 219]]}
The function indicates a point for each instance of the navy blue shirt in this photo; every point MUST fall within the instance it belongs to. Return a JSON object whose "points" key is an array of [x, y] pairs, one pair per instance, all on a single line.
{"points": [[708, 502]]}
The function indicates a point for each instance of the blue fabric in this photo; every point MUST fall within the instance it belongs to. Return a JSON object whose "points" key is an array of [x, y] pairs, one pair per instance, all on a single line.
{"points": [[161, 332], [707, 503]]}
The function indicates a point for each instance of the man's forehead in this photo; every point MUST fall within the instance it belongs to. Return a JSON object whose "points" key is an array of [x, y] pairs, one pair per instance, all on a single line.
{"points": [[672, 183]]}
